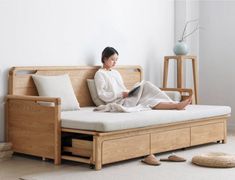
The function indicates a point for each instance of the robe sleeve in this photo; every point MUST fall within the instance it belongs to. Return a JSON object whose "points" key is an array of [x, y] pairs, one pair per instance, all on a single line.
{"points": [[101, 84]]}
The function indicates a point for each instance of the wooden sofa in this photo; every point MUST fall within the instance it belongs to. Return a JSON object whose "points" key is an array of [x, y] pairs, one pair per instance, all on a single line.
{"points": [[35, 129]]}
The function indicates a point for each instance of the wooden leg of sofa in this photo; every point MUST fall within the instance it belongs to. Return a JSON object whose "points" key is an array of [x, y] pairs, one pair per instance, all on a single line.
{"points": [[225, 132], [98, 166], [57, 161], [224, 141], [97, 150]]}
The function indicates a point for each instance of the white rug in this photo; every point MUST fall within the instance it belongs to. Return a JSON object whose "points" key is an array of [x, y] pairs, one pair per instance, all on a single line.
{"points": [[134, 169]]}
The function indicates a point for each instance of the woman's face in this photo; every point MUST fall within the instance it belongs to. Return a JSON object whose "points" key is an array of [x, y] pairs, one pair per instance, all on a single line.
{"points": [[111, 61]]}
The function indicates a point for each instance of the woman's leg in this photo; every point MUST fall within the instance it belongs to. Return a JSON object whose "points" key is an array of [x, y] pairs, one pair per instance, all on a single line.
{"points": [[170, 105]]}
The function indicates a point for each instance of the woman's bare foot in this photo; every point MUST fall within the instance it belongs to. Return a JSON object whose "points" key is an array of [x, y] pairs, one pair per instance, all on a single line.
{"points": [[181, 105]]}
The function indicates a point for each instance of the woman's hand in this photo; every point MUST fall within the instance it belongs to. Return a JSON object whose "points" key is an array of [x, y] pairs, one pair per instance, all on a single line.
{"points": [[124, 94]]}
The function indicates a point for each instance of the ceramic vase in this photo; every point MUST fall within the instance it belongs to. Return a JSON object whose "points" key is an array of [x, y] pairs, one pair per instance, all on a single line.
{"points": [[181, 48]]}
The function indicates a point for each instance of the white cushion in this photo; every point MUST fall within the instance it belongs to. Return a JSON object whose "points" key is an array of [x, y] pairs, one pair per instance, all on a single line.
{"points": [[87, 119], [57, 86], [93, 92]]}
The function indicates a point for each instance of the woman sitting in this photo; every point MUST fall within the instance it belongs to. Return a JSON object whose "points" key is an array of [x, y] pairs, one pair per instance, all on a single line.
{"points": [[111, 89]]}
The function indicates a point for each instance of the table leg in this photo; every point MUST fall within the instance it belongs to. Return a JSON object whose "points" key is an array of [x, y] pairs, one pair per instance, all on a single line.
{"points": [[165, 72], [179, 73], [195, 78]]}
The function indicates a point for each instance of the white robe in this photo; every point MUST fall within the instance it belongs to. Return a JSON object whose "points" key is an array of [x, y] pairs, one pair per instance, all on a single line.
{"points": [[109, 85]]}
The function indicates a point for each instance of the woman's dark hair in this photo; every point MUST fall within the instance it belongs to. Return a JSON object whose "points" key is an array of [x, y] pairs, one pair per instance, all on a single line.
{"points": [[107, 52]]}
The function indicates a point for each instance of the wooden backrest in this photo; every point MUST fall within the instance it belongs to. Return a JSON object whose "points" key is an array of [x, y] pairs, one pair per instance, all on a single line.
{"points": [[21, 83]]}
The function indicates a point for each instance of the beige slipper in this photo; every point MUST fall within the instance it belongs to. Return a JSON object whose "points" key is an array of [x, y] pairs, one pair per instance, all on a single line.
{"points": [[151, 160], [174, 158]]}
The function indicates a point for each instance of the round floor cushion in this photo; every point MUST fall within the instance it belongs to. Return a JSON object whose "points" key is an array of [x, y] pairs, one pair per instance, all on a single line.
{"points": [[215, 159]]}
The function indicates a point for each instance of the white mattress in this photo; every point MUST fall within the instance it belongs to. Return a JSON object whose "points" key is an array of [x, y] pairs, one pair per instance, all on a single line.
{"points": [[87, 119]]}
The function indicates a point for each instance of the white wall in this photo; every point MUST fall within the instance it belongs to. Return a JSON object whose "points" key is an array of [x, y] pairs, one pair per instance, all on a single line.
{"points": [[74, 32], [217, 61]]}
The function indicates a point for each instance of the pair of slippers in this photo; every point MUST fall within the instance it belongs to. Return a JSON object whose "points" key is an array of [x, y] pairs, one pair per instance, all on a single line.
{"points": [[152, 160]]}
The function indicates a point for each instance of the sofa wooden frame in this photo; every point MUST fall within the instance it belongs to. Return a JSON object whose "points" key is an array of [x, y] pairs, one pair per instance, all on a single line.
{"points": [[35, 129]]}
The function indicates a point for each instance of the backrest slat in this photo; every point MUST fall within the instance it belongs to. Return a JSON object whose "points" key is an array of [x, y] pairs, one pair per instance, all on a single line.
{"points": [[21, 83]]}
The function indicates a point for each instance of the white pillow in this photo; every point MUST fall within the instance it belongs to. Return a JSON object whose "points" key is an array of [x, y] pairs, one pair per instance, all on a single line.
{"points": [[57, 86], [93, 92]]}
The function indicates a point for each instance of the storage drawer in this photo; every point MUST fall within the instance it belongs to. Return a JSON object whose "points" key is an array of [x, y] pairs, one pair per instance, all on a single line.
{"points": [[125, 148], [207, 133], [170, 140], [80, 147]]}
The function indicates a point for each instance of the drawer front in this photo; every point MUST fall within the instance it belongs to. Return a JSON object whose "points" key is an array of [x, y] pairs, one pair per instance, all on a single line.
{"points": [[207, 133], [125, 148], [82, 147], [170, 140]]}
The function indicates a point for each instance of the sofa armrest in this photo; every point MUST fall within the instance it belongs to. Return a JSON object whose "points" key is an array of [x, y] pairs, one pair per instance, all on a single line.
{"points": [[34, 127], [185, 93], [55, 100]]}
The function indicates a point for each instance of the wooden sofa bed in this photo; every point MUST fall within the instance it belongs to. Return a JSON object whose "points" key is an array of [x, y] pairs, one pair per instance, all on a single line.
{"points": [[35, 129]]}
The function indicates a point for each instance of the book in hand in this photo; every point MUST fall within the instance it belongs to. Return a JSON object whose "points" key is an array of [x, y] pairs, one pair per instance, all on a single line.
{"points": [[135, 89]]}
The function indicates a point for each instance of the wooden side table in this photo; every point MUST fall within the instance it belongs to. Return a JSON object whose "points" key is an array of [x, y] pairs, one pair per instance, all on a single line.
{"points": [[180, 60]]}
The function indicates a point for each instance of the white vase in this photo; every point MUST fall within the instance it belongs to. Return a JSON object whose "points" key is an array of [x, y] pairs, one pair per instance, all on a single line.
{"points": [[181, 48]]}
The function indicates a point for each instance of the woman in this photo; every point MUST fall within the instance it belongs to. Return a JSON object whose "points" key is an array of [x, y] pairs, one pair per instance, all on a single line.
{"points": [[111, 89]]}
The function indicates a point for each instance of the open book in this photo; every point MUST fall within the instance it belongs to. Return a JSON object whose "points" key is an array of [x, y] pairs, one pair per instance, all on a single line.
{"points": [[135, 89]]}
